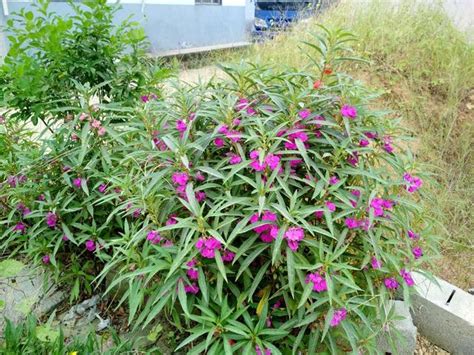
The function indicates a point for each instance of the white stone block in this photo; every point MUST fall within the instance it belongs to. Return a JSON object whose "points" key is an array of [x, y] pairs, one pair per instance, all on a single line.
{"points": [[444, 314]]}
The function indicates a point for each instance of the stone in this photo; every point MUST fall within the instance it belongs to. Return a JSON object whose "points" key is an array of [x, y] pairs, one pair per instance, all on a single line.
{"points": [[444, 314], [27, 290], [401, 337]]}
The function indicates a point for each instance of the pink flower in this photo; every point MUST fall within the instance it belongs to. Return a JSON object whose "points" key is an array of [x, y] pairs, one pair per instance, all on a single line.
{"points": [[171, 220], [193, 274], [223, 129], [379, 205], [200, 176], [371, 135], [65, 238], [331, 206], [349, 111], [77, 182], [236, 121], [413, 182], [95, 123], [267, 216], [269, 236], [20, 227], [51, 219], [338, 316], [180, 179], [353, 158], [391, 283], [181, 126], [193, 288], [207, 247], [144, 98], [417, 252], [74, 137], [272, 161], [319, 282], [351, 223], [293, 236], [102, 188], [376, 264], [219, 142], [90, 245], [304, 113], [200, 196], [168, 243], [333, 180], [387, 144], [45, 259], [241, 104], [228, 256], [412, 235], [258, 351], [101, 131], [234, 158], [153, 237], [234, 136], [407, 277], [364, 143], [257, 166]]}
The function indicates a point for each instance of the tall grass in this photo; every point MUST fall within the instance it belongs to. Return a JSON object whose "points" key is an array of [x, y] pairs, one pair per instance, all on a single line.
{"points": [[426, 67]]}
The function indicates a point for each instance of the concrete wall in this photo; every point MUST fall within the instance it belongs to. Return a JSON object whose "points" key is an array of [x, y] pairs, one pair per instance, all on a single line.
{"points": [[179, 26]]}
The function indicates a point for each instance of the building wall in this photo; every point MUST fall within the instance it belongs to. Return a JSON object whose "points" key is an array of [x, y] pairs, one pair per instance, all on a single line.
{"points": [[175, 24]]}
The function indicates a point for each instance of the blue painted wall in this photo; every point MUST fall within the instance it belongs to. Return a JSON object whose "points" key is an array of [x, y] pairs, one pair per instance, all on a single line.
{"points": [[172, 27]]}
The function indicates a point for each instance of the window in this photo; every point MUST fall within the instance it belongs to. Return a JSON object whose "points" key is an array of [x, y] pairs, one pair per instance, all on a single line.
{"points": [[208, 2]]}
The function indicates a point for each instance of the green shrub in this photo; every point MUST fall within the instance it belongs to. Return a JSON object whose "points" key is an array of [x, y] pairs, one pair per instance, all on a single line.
{"points": [[274, 212], [50, 56]]}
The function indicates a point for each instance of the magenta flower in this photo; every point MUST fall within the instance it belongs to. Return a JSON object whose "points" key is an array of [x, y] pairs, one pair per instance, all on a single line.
{"points": [[319, 214], [333, 180], [41, 197], [257, 166], [379, 206], [412, 235], [90, 245], [51, 219], [242, 104], [181, 126], [387, 144], [236, 121], [351, 223], [272, 161], [223, 129], [102, 188], [77, 182], [199, 177], [338, 316], [413, 182], [45, 259], [234, 136], [228, 256], [353, 158], [267, 216], [417, 252], [153, 237], [304, 113], [376, 264], [191, 263], [180, 179], [349, 111], [137, 212], [193, 274], [200, 196], [144, 98], [193, 288], [269, 236], [371, 135], [364, 143], [330, 206], [407, 277], [20, 227], [319, 282], [65, 238], [234, 158], [208, 246], [219, 142], [293, 236], [391, 283], [171, 220]]}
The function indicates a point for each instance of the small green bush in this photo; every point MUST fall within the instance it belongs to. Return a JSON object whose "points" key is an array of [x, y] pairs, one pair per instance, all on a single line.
{"points": [[50, 56], [274, 212]]}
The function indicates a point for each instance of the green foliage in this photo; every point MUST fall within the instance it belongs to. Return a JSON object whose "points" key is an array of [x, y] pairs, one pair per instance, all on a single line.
{"points": [[29, 337], [149, 198], [50, 55]]}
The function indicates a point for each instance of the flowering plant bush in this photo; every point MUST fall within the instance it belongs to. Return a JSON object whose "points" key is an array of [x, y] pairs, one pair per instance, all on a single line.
{"points": [[269, 214]]}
